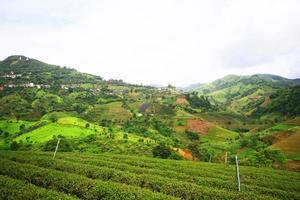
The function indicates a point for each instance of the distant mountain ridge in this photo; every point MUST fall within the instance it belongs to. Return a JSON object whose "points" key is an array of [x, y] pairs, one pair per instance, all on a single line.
{"points": [[243, 94]]}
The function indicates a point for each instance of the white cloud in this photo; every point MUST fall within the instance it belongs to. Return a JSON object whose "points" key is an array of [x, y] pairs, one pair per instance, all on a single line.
{"points": [[178, 42]]}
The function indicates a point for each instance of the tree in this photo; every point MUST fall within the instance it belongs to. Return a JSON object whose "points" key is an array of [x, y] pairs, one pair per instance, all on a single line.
{"points": [[13, 105], [192, 135], [22, 127], [14, 146], [6, 134], [161, 151], [53, 118], [47, 103], [65, 145]]}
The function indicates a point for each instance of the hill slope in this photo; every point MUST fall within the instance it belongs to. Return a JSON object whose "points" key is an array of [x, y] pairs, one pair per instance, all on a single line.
{"points": [[243, 94]]}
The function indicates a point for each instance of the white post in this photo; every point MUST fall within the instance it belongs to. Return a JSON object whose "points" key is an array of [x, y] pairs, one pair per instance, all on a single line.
{"points": [[56, 147], [226, 159], [237, 174]]}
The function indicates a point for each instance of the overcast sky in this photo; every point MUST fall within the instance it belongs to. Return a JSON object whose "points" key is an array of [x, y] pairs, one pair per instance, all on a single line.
{"points": [[156, 41]]}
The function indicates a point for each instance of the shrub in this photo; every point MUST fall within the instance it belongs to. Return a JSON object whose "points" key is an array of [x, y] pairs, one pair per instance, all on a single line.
{"points": [[21, 190], [65, 145], [192, 135], [14, 146], [175, 156], [161, 151]]}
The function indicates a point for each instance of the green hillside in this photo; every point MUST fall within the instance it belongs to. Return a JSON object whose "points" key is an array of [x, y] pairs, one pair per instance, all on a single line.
{"points": [[244, 94]]}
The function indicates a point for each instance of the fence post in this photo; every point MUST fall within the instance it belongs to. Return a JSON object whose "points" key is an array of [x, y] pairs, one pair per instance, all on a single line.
{"points": [[56, 147], [237, 174], [225, 162]]}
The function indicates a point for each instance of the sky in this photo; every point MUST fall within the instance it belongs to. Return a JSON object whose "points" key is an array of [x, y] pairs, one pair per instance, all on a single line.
{"points": [[180, 42]]}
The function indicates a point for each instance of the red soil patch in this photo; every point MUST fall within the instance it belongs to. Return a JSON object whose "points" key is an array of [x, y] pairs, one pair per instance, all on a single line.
{"points": [[185, 153], [181, 100], [198, 126]]}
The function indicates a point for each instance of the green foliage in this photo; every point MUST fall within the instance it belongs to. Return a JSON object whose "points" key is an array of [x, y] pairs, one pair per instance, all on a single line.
{"points": [[175, 156], [199, 101], [14, 146], [161, 151], [284, 101], [47, 103], [162, 128], [73, 184], [53, 118], [14, 106], [20, 190], [192, 135], [65, 145]]}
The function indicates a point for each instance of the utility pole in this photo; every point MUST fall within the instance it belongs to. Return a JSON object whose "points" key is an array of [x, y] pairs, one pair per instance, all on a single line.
{"points": [[237, 174], [56, 147]]}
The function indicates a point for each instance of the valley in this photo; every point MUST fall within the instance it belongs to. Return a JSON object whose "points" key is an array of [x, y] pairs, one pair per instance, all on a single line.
{"points": [[135, 136]]}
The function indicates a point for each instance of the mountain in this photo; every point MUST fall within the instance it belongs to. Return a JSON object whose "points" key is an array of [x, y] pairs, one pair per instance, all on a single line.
{"points": [[191, 87], [20, 69], [243, 94]]}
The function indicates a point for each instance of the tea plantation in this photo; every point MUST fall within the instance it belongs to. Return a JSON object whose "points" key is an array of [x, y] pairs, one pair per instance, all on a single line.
{"points": [[36, 175]]}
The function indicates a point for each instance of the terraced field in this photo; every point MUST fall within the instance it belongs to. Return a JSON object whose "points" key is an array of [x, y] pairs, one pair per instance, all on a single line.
{"points": [[36, 175]]}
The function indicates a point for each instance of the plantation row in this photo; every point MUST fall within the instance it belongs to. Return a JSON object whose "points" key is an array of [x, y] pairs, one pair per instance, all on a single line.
{"points": [[178, 183], [155, 183], [186, 167], [74, 184], [173, 165], [202, 174], [12, 189]]}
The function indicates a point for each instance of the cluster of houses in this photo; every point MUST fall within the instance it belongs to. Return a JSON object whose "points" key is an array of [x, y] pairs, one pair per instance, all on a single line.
{"points": [[25, 85]]}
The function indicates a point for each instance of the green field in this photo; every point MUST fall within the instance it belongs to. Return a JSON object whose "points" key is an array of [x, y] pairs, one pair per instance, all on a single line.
{"points": [[13, 126], [106, 176]]}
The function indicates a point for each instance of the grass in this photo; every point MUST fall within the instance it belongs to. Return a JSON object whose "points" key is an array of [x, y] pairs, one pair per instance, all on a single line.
{"points": [[220, 137], [290, 145], [13, 126], [107, 140], [46, 132], [112, 110]]}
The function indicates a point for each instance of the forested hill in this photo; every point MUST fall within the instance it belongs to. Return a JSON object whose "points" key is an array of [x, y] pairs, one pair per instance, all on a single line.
{"points": [[18, 69], [253, 81], [244, 94]]}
